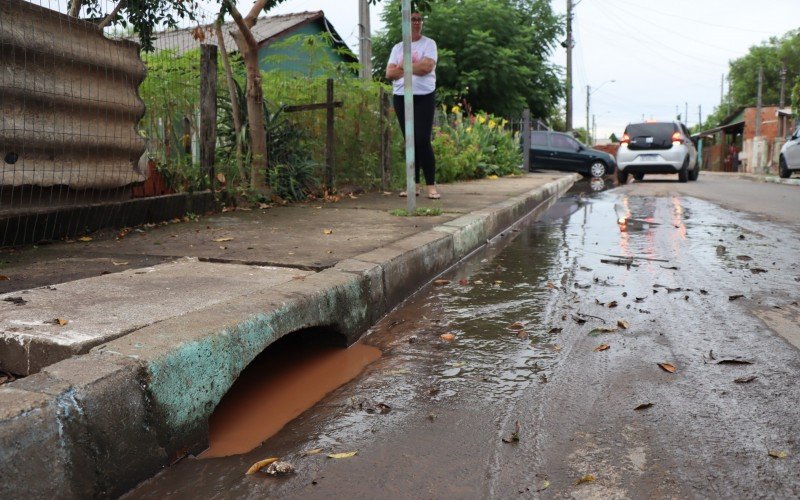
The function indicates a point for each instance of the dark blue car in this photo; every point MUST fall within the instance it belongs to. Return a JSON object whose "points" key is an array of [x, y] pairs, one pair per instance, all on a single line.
{"points": [[560, 151]]}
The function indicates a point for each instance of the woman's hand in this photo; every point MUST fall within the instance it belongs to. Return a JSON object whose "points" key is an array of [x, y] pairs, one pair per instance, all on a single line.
{"points": [[394, 72]]}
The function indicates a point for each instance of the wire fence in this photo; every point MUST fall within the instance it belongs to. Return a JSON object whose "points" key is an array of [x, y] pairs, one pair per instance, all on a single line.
{"points": [[97, 133]]}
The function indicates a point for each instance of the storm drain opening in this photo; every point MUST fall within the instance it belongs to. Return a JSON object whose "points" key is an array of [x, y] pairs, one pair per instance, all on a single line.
{"points": [[287, 378]]}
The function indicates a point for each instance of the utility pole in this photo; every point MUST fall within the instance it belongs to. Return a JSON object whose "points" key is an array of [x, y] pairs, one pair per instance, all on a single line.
{"points": [[721, 90], [588, 95], [686, 113], [758, 102], [364, 40], [782, 120], [699, 114], [568, 46], [783, 85]]}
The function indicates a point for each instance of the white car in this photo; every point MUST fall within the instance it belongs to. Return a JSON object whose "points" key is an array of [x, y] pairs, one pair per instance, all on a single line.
{"points": [[657, 148], [790, 155]]}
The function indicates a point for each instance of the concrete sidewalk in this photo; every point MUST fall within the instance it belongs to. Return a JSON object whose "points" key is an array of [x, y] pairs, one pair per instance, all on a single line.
{"points": [[130, 343]]}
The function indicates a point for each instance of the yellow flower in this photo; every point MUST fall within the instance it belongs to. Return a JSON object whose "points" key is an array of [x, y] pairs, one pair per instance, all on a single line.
{"points": [[468, 129], [455, 110], [492, 124], [481, 119]]}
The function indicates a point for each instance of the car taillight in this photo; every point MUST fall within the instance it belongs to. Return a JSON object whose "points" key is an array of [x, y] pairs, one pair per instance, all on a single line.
{"points": [[626, 139], [676, 138]]}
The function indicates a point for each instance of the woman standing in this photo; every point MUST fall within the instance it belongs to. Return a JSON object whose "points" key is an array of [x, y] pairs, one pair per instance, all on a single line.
{"points": [[423, 81]]}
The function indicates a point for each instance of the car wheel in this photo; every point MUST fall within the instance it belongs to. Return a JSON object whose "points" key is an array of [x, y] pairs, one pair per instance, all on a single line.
{"points": [[597, 169], [783, 169], [694, 173], [622, 177], [638, 177], [683, 173]]}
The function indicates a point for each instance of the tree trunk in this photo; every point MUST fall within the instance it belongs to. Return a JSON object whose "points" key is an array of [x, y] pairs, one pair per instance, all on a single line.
{"points": [[248, 47], [237, 114]]}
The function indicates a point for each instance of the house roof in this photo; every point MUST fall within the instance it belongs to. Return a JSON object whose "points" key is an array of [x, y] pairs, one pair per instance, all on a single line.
{"points": [[266, 29]]}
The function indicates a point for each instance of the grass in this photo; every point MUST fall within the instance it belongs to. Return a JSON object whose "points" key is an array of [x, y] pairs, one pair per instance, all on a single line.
{"points": [[419, 212]]}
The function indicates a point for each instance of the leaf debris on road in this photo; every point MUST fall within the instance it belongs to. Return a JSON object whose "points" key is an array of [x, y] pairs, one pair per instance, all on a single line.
{"points": [[644, 406], [667, 367]]}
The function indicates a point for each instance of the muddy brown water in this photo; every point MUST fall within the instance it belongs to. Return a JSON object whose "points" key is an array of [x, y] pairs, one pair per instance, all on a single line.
{"points": [[435, 418], [280, 384]]}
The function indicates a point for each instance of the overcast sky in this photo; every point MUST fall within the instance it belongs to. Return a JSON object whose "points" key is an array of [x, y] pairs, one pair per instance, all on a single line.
{"points": [[662, 54]]}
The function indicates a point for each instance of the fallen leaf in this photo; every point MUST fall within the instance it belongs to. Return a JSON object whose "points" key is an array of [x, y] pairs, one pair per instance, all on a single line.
{"points": [[220, 240], [327, 231], [264, 206], [667, 367], [744, 380], [734, 297], [261, 464], [514, 438], [343, 455], [85, 238], [639, 299], [498, 282], [447, 337], [516, 326], [602, 347], [441, 282], [612, 304], [315, 451], [745, 258], [119, 263], [4, 278], [17, 301], [60, 321], [554, 330], [578, 320], [778, 454], [757, 270], [550, 284], [644, 406], [544, 486], [463, 282], [589, 478], [623, 324], [522, 334]]}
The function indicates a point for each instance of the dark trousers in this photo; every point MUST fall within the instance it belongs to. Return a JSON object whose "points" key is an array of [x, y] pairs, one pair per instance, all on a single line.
{"points": [[424, 106]]}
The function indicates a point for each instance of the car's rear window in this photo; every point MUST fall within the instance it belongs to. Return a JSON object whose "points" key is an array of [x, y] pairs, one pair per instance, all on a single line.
{"points": [[650, 135]]}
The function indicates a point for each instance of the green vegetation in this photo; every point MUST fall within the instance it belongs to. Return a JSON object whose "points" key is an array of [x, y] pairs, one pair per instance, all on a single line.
{"points": [[772, 56], [492, 54]]}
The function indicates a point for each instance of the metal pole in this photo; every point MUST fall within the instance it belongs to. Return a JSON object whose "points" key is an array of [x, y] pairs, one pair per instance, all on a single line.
{"points": [[569, 66], [526, 140], [330, 137], [411, 186]]}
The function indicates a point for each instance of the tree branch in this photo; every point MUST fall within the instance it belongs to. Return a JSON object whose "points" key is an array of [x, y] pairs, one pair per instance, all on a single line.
{"points": [[244, 28], [75, 8], [110, 17]]}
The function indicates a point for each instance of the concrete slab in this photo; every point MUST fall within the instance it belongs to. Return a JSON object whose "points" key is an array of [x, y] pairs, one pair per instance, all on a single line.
{"points": [[97, 310]]}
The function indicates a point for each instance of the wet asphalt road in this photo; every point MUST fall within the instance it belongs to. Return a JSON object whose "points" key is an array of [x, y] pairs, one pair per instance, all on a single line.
{"points": [[711, 291]]}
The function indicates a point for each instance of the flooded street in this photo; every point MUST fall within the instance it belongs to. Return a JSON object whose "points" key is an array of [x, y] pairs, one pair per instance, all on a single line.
{"points": [[575, 356]]}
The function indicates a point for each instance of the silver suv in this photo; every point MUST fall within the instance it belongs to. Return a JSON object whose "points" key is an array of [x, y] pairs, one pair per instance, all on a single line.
{"points": [[657, 148], [790, 155]]}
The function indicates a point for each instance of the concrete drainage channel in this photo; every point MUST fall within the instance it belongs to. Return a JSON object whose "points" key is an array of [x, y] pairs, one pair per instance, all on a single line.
{"points": [[107, 411]]}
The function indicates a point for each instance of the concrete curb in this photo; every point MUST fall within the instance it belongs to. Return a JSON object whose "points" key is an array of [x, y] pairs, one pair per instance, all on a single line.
{"points": [[96, 424]]}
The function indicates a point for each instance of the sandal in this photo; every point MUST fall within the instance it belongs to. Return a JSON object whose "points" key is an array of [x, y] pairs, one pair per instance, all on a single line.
{"points": [[434, 196], [404, 194]]}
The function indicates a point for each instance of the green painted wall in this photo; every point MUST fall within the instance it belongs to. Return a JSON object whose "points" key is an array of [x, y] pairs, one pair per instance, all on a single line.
{"points": [[295, 57]]}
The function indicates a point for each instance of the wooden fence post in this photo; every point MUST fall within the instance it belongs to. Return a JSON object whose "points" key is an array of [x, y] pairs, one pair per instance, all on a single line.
{"points": [[208, 111], [329, 159]]}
